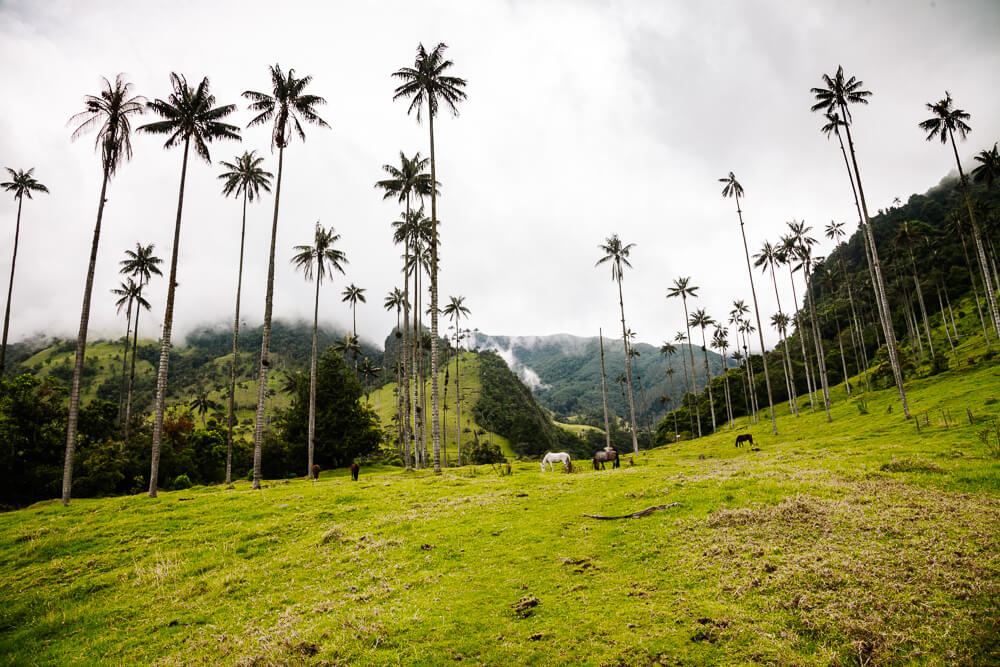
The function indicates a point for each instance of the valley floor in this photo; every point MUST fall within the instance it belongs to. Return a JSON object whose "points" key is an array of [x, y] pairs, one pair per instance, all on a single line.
{"points": [[863, 541]]}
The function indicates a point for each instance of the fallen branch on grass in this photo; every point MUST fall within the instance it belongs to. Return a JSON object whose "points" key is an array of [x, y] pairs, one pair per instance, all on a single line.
{"points": [[635, 515]]}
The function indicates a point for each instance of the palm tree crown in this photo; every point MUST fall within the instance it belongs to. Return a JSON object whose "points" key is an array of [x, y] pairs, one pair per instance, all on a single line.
{"points": [[320, 258], [22, 184], [141, 263], [945, 121], [838, 93], [732, 187], [287, 106], [988, 170], [190, 114], [245, 176], [111, 109], [426, 82], [617, 253], [409, 178]]}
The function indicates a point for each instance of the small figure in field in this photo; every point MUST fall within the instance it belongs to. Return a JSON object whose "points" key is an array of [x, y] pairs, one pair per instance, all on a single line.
{"points": [[557, 457], [604, 455], [745, 437], [354, 471], [315, 472]]}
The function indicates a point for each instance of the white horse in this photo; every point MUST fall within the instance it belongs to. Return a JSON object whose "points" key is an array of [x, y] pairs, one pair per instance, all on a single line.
{"points": [[556, 457]]}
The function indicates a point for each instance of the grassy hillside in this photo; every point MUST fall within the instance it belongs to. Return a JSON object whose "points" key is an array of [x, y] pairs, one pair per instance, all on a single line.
{"points": [[863, 541]]}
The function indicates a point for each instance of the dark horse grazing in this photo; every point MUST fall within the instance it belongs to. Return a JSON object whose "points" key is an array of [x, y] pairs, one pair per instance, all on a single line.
{"points": [[604, 455], [745, 437], [315, 471], [354, 471]]}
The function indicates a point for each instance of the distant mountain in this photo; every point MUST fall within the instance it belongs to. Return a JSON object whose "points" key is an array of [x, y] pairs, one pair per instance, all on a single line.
{"points": [[564, 372]]}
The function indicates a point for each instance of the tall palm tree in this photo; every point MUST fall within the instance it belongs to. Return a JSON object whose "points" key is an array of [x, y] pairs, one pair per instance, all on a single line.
{"points": [[319, 259], [838, 92], [427, 84], [201, 404], [347, 345], [766, 259], [988, 170], [668, 349], [835, 232], [682, 287], [680, 338], [126, 292], [743, 329], [396, 300], [111, 112], [787, 255], [616, 253], [140, 264], [410, 179], [732, 188], [286, 107], [352, 294], [909, 233], [189, 117], [720, 341], [456, 310], [945, 122], [699, 318], [22, 184], [804, 251], [368, 370], [604, 392], [244, 177]]}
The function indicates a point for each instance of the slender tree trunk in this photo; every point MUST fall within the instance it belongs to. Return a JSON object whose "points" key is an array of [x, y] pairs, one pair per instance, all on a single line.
{"points": [[944, 319], [418, 364], [686, 393], [855, 327], [975, 288], [708, 379], [10, 288], [725, 380], [604, 392], [802, 341], [628, 366], [951, 313], [121, 389], [694, 381], [131, 376], [920, 300], [458, 400], [820, 357], [760, 332], [890, 335], [312, 376], [991, 297], [793, 403], [674, 411], [81, 343], [265, 345], [843, 359], [168, 323], [232, 366], [435, 404]]}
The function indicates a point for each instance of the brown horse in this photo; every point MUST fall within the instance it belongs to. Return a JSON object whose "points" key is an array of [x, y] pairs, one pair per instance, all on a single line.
{"points": [[355, 468], [604, 455]]}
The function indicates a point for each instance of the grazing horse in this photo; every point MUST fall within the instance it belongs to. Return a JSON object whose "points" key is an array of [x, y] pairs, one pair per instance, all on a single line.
{"points": [[354, 471], [557, 457], [315, 472], [604, 455], [744, 437]]}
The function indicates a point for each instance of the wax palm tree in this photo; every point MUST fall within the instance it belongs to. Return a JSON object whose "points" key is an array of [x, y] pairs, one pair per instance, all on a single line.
{"points": [[347, 345], [397, 300], [668, 350], [743, 329], [680, 338], [945, 122], [804, 252], [699, 318], [604, 392], [368, 369], [140, 305], [410, 179], [286, 107], [720, 341], [768, 256], [126, 292], [201, 404], [140, 264], [244, 177], [797, 232], [320, 259], [22, 184], [835, 232], [988, 170], [352, 294], [616, 254], [111, 113], [909, 233], [189, 117], [455, 311], [732, 188], [427, 84], [839, 92], [683, 288]]}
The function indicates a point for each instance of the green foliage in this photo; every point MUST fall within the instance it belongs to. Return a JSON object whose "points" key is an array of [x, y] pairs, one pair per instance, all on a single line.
{"points": [[32, 440], [482, 452], [182, 482]]}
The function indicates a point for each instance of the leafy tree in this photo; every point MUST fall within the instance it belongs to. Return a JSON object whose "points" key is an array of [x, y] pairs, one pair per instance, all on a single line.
{"points": [[22, 184], [31, 413], [988, 171], [427, 84], [321, 258], [111, 111], [244, 177], [201, 404], [287, 106], [732, 188], [189, 116]]}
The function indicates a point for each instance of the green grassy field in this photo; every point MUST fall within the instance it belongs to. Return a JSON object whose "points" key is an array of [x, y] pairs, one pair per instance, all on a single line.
{"points": [[859, 542]]}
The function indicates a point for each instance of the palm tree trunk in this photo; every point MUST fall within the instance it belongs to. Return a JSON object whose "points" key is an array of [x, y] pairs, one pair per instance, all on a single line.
{"points": [[81, 343], [686, 393], [604, 392], [802, 341], [951, 313], [975, 288], [920, 300], [880, 293], [435, 407], [236, 335], [708, 379], [944, 319], [843, 359], [793, 403], [694, 382], [820, 357], [131, 376], [10, 288], [725, 380], [855, 327], [674, 411], [760, 332], [458, 403], [265, 345], [121, 389], [628, 367], [312, 377], [991, 300], [168, 323]]}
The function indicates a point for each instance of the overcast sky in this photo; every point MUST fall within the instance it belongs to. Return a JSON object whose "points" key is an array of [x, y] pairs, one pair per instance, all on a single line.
{"points": [[583, 119]]}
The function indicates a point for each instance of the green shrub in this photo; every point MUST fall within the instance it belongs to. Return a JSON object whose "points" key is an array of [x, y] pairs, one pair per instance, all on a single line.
{"points": [[182, 482]]}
